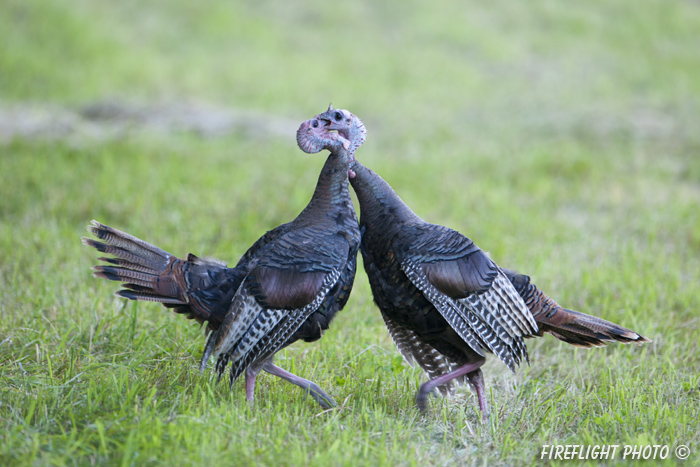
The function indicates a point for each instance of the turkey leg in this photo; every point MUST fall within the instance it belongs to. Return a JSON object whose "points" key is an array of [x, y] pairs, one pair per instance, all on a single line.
{"points": [[311, 388], [475, 376]]}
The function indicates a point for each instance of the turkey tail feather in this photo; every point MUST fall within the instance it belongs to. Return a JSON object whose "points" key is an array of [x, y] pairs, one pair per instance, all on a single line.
{"points": [[570, 326], [585, 330], [126, 246], [148, 273], [195, 286]]}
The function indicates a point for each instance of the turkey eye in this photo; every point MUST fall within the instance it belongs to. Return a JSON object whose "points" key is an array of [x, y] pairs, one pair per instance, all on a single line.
{"points": [[338, 116], [315, 124]]}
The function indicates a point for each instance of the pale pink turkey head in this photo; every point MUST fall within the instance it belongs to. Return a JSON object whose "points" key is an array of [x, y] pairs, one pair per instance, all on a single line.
{"points": [[312, 137]]}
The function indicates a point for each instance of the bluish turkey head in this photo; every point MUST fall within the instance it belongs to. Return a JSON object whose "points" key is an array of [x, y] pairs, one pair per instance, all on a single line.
{"points": [[346, 124]]}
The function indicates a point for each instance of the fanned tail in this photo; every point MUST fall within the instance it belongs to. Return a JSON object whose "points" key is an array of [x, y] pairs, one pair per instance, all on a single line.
{"points": [[196, 287], [572, 327]]}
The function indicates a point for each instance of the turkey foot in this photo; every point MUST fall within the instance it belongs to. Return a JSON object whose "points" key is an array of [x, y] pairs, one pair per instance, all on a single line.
{"points": [[309, 387]]}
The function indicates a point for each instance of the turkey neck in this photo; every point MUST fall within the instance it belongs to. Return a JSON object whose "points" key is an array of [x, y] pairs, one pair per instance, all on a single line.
{"points": [[380, 206], [332, 192]]}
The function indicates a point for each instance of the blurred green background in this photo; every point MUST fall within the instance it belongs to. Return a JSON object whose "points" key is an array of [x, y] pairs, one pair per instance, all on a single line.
{"points": [[562, 138]]}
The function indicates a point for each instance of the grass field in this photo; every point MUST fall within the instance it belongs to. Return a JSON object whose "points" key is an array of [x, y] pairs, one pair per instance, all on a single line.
{"points": [[562, 138]]}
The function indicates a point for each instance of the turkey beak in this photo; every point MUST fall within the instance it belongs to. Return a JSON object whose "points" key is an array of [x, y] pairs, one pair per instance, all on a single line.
{"points": [[328, 123]]}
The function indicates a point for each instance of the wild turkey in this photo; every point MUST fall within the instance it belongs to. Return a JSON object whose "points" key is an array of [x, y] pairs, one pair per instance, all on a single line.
{"points": [[288, 286], [444, 301]]}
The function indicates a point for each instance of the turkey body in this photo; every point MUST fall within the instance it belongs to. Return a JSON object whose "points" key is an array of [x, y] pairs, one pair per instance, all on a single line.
{"points": [[444, 301], [288, 286], [446, 304]]}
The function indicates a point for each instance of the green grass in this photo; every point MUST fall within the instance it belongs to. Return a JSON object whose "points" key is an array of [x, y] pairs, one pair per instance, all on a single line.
{"points": [[561, 138]]}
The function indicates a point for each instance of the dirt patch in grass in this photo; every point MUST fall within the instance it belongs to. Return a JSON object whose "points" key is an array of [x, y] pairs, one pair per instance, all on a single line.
{"points": [[110, 119]]}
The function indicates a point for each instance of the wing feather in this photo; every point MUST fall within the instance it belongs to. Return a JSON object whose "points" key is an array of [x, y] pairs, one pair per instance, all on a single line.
{"points": [[270, 331], [449, 310], [504, 303], [472, 320]]}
